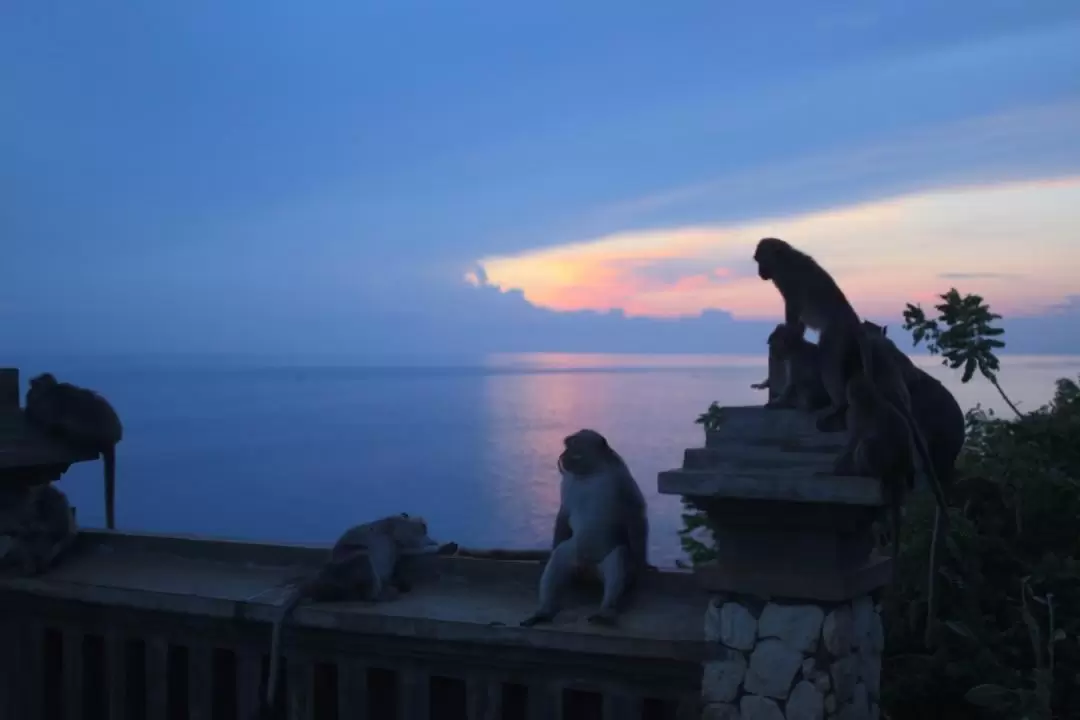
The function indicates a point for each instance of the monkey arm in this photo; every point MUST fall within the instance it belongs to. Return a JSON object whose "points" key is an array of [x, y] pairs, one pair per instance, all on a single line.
{"points": [[562, 530]]}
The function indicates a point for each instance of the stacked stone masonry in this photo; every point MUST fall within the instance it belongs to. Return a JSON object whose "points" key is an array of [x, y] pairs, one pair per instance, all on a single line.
{"points": [[793, 661]]}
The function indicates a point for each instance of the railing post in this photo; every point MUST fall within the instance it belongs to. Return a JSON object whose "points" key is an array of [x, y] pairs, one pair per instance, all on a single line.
{"points": [[792, 607]]}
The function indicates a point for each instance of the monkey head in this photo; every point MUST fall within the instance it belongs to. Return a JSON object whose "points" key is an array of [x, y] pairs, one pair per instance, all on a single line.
{"points": [[409, 531], [585, 452], [786, 338], [43, 380], [768, 254]]}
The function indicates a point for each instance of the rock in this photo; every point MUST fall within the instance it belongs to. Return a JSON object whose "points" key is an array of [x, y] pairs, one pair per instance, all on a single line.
{"points": [[859, 707], [822, 682], [721, 679], [753, 707], [830, 704], [869, 632], [845, 673], [870, 671], [838, 631], [805, 703], [799, 626], [861, 700], [875, 712], [809, 666], [773, 665], [720, 711], [730, 624]]}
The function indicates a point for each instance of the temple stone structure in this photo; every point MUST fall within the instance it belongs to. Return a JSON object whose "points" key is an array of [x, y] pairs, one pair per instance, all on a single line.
{"points": [[793, 606]]}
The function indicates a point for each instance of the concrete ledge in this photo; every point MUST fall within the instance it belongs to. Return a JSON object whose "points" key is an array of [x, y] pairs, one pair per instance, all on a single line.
{"points": [[788, 484], [460, 600]]}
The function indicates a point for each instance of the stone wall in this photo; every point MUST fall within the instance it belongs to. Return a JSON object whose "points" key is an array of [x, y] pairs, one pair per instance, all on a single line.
{"points": [[793, 660]]}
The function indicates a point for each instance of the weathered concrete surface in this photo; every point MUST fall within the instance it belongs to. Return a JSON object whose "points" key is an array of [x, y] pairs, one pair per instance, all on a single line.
{"points": [[788, 484], [454, 598], [769, 455]]}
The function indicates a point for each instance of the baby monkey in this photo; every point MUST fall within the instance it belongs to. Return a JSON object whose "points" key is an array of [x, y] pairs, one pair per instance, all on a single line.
{"points": [[81, 418], [882, 447], [363, 565], [602, 524], [800, 361], [776, 379]]}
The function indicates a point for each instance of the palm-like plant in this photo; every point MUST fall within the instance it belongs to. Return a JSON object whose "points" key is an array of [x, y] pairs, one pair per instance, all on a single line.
{"points": [[962, 334]]}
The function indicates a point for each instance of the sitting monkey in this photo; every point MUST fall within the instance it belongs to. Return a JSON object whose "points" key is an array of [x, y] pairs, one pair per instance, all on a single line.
{"points": [[800, 360], [602, 523]]}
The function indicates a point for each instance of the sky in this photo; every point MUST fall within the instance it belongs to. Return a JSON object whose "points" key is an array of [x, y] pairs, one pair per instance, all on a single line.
{"points": [[458, 177]]}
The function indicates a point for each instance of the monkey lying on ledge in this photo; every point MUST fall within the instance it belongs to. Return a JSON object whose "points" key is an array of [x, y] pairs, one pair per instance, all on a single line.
{"points": [[363, 565]]}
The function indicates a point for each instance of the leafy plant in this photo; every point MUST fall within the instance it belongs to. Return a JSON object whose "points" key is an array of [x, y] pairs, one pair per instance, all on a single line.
{"points": [[968, 338], [712, 418]]}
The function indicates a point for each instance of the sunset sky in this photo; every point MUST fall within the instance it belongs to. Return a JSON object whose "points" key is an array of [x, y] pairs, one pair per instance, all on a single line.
{"points": [[416, 177]]}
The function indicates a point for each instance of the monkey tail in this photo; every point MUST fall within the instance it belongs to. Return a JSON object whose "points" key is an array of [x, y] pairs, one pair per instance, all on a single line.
{"points": [[298, 594], [108, 457], [928, 468]]}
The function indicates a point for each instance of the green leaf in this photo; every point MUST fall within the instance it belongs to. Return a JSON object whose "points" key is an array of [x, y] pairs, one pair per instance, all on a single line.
{"points": [[990, 696]]}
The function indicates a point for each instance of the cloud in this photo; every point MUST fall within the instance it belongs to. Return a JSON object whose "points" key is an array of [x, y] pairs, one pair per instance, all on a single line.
{"points": [[883, 253]]}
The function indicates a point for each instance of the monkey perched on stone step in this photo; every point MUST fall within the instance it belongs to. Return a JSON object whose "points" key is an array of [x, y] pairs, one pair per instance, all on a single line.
{"points": [[800, 359], [881, 447], [776, 379], [813, 299], [81, 418], [363, 565], [941, 421], [602, 523]]}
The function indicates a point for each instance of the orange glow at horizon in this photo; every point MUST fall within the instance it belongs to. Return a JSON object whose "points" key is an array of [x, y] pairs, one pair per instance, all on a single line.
{"points": [[1016, 244]]}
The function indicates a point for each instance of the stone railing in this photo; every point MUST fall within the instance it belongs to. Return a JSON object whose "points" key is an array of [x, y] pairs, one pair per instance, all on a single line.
{"points": [[134, 626], [793, 610]]}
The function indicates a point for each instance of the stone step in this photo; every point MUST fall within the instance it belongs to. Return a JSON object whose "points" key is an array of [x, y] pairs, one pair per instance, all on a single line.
{"points": [[755, 425], [781, 484], [743, 455]]}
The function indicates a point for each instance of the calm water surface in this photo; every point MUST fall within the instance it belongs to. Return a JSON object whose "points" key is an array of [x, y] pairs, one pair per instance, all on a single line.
{"points": [[299, 453]]}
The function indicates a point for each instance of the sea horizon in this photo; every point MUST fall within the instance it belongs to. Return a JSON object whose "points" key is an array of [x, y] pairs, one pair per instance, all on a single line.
{"points": [[297, 452]]}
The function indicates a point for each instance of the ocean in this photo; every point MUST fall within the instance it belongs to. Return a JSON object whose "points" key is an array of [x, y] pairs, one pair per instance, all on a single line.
{"points": [[298, 453]]}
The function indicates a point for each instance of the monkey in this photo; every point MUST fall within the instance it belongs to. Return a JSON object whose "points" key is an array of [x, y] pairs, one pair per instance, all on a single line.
{"points": [[82, 418], [813, 299], [776, 378], [881, 447], [363, 565], [941, 421], [801, 362], [37, 529], [602, 524]]}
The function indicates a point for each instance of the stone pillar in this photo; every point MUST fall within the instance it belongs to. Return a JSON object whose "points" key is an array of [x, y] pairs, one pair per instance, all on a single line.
{"points": [[793, 604]]}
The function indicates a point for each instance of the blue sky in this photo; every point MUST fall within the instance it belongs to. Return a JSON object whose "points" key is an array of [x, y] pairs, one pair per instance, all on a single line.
{"points": [[284, 177]]}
